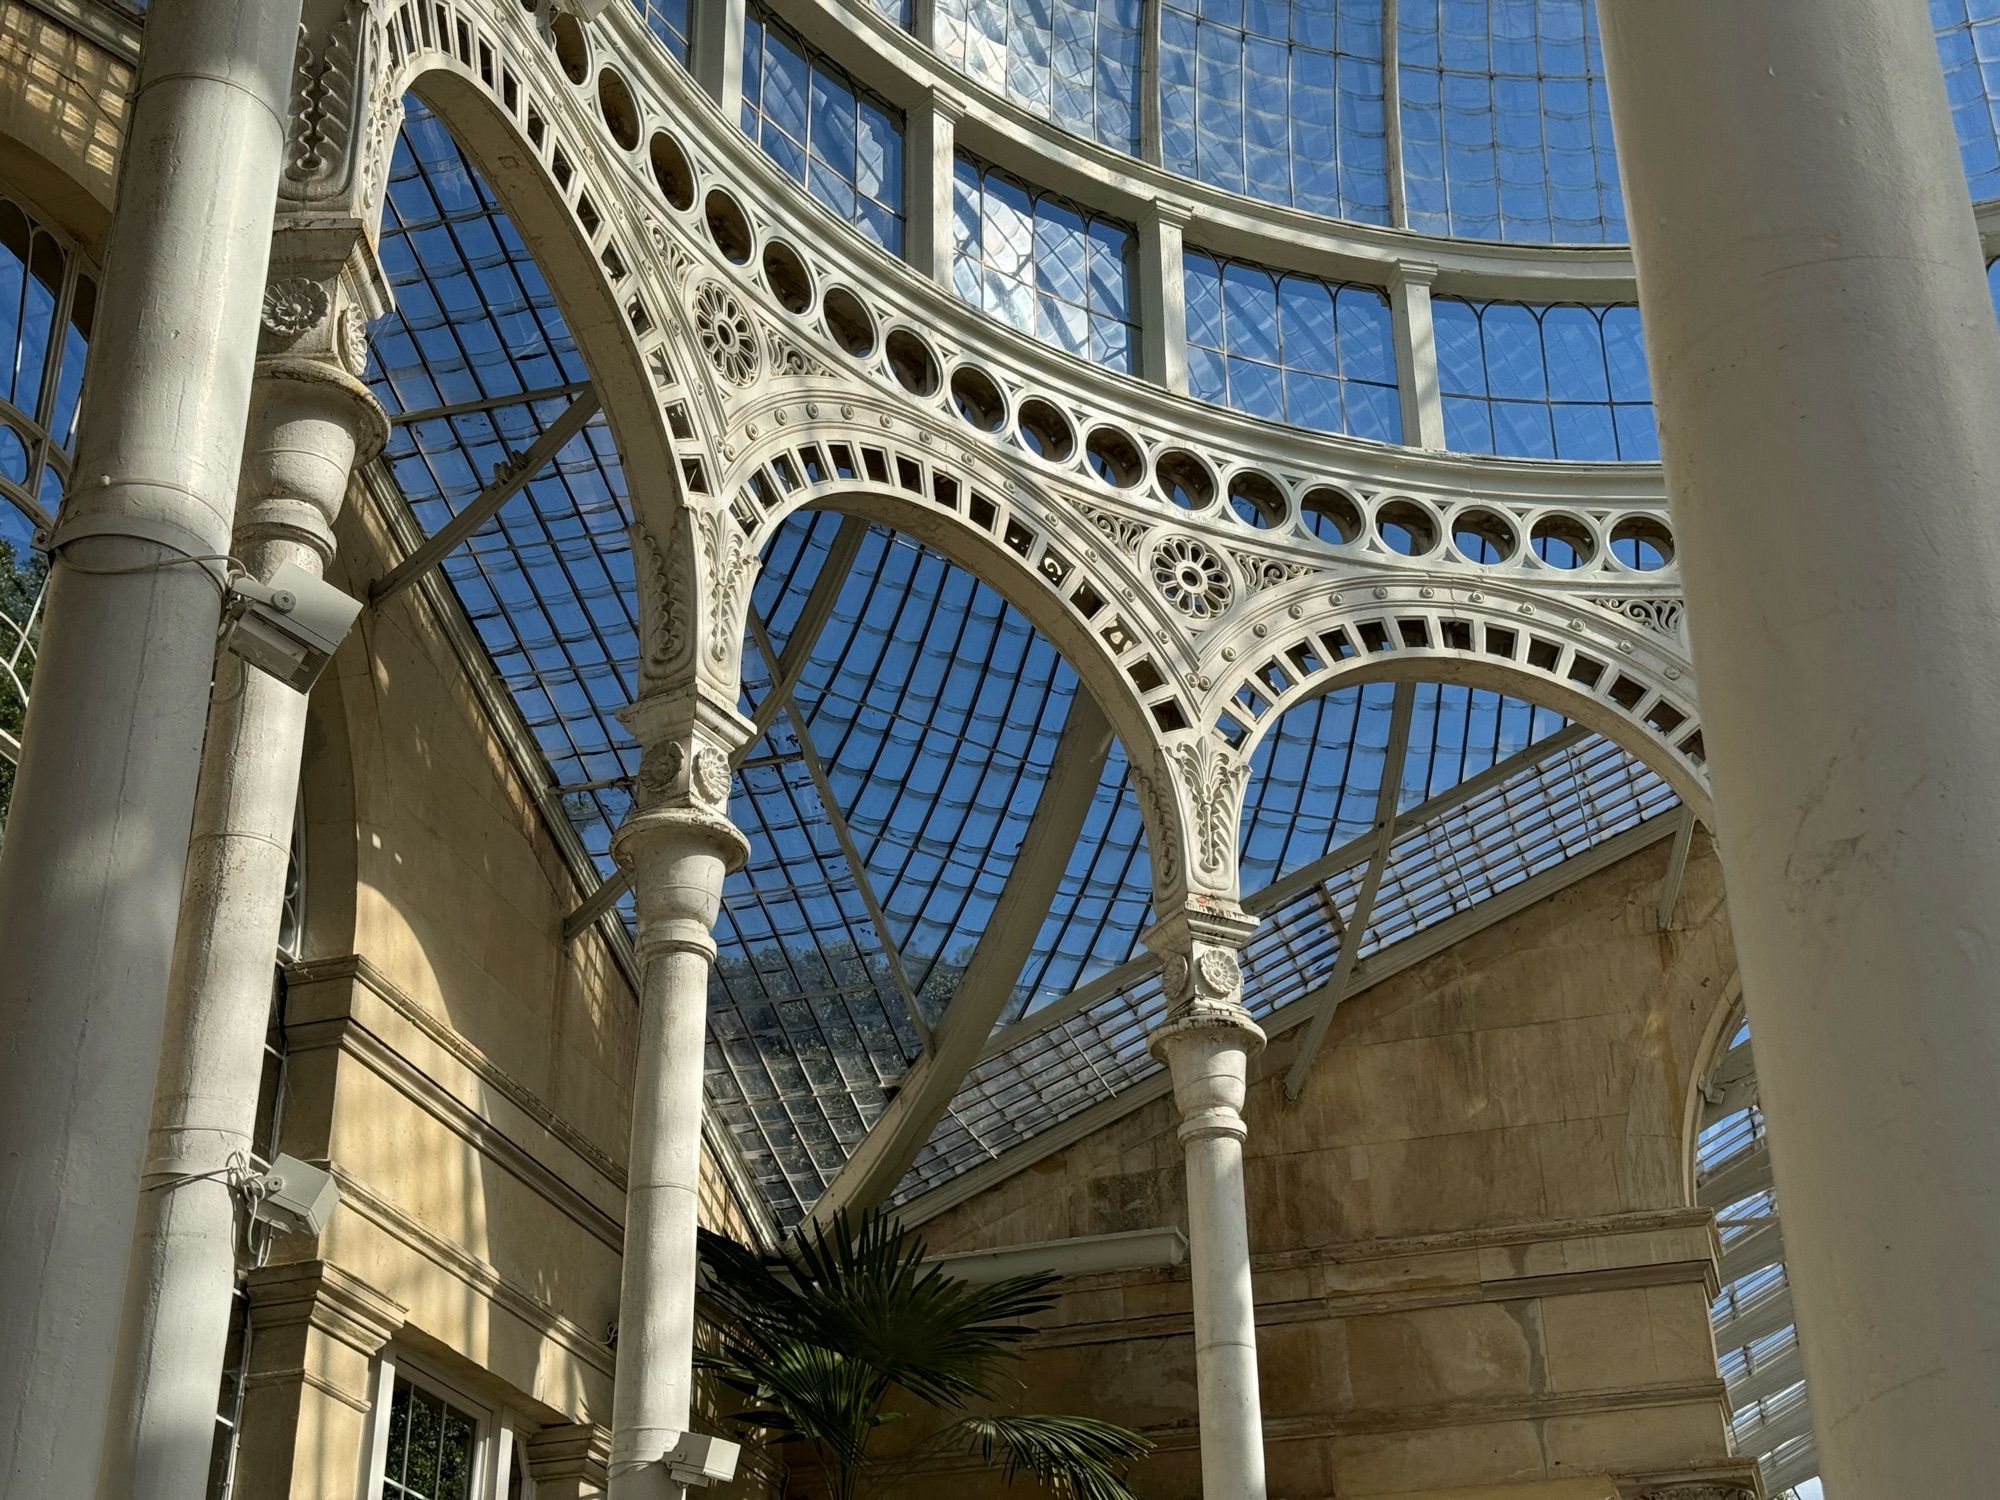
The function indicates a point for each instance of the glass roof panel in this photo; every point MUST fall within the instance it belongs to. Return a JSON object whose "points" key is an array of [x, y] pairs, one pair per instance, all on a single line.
{"points": [[888, 794]]}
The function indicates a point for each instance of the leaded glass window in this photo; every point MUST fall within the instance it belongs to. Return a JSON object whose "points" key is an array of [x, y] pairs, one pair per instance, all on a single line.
{"points": [[1291, 348], [1506, 125], [668, 20], [1075, 62], [1565, 381], [1279, 99], [432, 1450], [1043, 265], [824, 130]]}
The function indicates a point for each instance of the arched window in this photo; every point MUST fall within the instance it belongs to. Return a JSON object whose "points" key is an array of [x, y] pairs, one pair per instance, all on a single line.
{"points": [[1043, 265], [1279, 99], [1291, 348], [1566, 381]]}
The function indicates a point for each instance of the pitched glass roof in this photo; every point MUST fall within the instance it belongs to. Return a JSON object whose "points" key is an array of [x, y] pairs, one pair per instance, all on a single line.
{"points": [[887, 798]]}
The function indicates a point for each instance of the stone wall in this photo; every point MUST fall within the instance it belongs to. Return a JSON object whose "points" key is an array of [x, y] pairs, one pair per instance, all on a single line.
{"points": [[1475, 1263]]}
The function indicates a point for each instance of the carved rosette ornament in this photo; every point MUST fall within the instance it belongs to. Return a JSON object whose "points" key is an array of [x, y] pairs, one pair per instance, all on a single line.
{"points": [[727, 335], [1192, 577], [293, 307], [711, 776], [353, 342], [660, 771]]}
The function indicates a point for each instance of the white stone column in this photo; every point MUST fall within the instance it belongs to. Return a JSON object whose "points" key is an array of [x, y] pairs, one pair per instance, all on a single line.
{"points": [[90, 878], [1416, 354], [1828, 383], [311, 422], [1207, 1044], [1163, 294], [933, 163], [678, 844]]}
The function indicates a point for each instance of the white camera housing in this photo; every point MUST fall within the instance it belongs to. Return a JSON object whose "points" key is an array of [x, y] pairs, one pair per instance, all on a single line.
{"points": [[700, 1459], [293, 1196], [289, 627]]}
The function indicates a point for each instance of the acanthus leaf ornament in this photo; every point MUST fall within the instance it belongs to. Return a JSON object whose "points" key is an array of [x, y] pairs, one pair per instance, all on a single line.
{"points": [[667, 576], [1214, 779], [1658, 614], [729, 561]]}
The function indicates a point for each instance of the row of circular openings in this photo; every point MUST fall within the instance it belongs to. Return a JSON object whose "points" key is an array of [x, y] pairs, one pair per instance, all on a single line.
{"points": [[1481, 535], [1478, 535]]}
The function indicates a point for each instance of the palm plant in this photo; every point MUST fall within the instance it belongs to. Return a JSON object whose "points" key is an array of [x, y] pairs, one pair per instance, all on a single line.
{"points": [[819, 1341]]}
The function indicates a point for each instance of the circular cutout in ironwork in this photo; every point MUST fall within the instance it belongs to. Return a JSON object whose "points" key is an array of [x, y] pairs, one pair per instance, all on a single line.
{"points": [[1563, 541], [912, 363], [727, 334], [847, 322], [1192, 576], [1256, 499], [1642, 543], [620, 111], [1482, 535], [1331, 515], [1114, 458], [1046, 431], [727, 226], [1406, 527], [977, 398], [1184, 479], [672, 171], [786, 275], [572, 51]]}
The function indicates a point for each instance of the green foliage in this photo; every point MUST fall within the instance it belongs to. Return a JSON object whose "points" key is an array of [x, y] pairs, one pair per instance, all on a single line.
{"points": [[819, 1341], [20, 595]]}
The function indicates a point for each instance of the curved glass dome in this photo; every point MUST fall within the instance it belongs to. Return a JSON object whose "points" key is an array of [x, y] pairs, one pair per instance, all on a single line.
{"points": [[1477, 119]]}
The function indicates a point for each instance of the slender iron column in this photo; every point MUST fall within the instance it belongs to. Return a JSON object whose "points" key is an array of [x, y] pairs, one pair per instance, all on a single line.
{"points": [[311, 422], [678, 844], [91, 874], [1207, 1044], [1827, 377]]}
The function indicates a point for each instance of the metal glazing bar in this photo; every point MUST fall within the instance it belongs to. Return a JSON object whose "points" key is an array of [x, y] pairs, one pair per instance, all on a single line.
{"points": [[489, 403], [506, 485], [1026, 898], [843, 835], [1677, 863], [792, 663], [1386, 796]]}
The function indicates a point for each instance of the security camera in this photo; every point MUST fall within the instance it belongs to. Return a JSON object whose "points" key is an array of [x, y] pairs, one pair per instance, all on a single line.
{"points": [[293, 1196], [699, 1459], [289, 627]]}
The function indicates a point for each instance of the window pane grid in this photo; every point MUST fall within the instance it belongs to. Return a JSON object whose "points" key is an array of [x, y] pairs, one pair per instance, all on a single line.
{"points": [[431, 1448], [1074, 62], [667, 20], [1040, 264], [1566, 381], [1506, 124], [1968, 38], [824, 130], [1291, 348], [1280, 101]]}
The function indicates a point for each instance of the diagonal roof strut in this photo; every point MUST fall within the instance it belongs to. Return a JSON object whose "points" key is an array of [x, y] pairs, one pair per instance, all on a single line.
{"points": [[870, 1175]]}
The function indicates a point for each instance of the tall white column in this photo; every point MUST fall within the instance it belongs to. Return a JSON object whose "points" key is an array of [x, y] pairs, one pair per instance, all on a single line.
{"points": [[90, 878], [933, 167], [311, 422], [678, 844], [1827, 376], [1207, 1043]]}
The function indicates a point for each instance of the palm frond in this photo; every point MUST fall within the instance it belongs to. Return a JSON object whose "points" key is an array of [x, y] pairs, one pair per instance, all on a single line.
{"points": [[1077, 1457]]}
